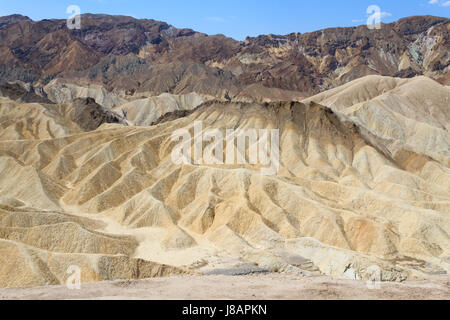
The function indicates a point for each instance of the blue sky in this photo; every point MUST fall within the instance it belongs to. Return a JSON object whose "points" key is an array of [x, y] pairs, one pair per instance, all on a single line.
{"points": [[237, 18]]}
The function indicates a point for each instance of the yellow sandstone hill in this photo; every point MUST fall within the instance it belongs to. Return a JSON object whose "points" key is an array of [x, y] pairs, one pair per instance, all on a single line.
{"points": [[363, 182]]}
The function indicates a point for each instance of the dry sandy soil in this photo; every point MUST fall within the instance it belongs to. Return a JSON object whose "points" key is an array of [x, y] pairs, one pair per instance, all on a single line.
{"points": [[363, 183], [247, 287]]}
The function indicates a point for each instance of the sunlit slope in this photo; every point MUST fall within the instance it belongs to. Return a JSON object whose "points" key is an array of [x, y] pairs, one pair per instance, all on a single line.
{"points": [[414, 113], [346, 197]]}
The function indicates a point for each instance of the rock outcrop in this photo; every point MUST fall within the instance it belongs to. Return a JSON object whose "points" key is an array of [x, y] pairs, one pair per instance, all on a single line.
{"points": [[360, 180], [119, 52], [351, 194]]}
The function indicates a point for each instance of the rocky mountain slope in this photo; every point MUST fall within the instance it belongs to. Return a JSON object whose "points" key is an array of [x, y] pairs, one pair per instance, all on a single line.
{"points": [[351, 194], [390, 108], [138, 56], [88, 178]]}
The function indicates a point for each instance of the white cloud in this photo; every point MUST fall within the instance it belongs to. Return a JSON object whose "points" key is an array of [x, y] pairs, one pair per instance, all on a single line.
{"points": [[385, 14], [440, 3]]}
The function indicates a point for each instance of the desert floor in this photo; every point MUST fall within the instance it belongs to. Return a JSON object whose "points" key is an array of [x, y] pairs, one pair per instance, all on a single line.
{"points": [[248, 287]]}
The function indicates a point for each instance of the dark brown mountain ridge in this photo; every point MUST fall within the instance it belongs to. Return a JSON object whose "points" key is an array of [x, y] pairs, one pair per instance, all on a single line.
{"points": [[135, 55]]}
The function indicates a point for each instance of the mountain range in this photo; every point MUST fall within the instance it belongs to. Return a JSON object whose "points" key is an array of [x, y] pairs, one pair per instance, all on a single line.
{"points": [[87, 177], [147, 56]]}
